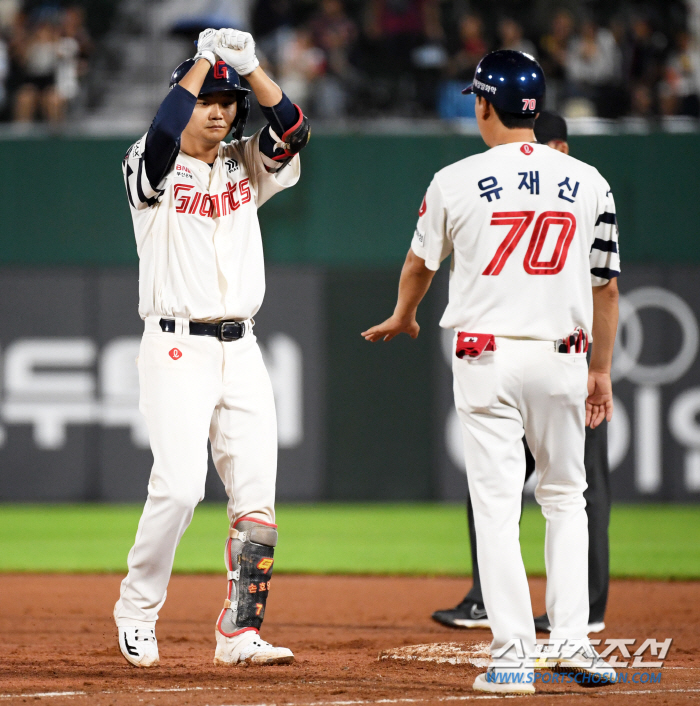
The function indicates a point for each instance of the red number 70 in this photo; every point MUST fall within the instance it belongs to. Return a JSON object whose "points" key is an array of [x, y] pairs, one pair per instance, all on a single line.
{"points": [[520, 222]]}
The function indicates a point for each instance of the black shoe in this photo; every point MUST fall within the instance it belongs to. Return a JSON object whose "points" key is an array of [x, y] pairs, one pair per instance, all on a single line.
{"points": [[542, 623], [467, 614]]}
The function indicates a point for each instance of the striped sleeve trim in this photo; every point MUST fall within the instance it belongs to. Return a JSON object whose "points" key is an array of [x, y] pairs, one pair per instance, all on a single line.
{"points": [[604, 245], [146, 193], [140, 191], [604, 273], [127, 174], [607, 217]]}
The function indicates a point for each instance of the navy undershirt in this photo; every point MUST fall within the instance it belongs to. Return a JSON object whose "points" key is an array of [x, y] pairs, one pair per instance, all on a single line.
{"points": [[163, 138]]}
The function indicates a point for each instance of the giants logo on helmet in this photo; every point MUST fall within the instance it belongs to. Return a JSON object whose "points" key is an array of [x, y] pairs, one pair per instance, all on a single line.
{"points": [[220, 70]]}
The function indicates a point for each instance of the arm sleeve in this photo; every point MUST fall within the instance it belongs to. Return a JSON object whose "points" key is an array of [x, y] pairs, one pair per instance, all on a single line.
{"points": [[149, 160], [280, 118], [266, 182], [163, 138], [605, 255], [431, 240]]}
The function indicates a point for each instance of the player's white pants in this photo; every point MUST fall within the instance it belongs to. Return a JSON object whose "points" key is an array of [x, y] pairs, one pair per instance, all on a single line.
{"points": [[211, 390], [526, 385]]}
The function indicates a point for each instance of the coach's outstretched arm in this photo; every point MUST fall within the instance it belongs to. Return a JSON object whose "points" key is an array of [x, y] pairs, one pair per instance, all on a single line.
{"points": [[413, 285], [599, 404]]}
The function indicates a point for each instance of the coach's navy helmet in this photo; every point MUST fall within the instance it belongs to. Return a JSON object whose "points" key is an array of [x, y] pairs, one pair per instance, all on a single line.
{"points": [[511, 80], [221, 78]]}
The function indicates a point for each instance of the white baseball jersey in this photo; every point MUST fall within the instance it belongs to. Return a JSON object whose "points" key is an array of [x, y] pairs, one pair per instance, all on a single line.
{"points": [[197, 233], [531, 230]]}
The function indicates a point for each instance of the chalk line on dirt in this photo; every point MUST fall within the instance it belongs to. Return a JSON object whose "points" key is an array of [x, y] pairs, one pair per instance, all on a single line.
{"points": [[348, 702]]}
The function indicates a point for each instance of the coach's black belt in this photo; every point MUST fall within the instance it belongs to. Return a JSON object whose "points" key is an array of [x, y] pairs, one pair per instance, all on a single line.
{"points": [[223, 330]]}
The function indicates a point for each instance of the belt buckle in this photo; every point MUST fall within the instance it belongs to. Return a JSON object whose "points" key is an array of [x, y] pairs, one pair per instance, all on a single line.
{"points": [[239, 329]]}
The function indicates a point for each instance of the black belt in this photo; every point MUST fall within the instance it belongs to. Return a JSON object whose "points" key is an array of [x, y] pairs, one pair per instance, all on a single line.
{"points": [[223, 330]]}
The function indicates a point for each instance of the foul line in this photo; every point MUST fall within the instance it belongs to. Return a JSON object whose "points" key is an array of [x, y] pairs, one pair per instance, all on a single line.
{"points": [[354, 702]]}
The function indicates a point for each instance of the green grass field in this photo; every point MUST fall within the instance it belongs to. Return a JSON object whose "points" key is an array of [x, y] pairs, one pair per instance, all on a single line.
{"points": [[655, 541]]}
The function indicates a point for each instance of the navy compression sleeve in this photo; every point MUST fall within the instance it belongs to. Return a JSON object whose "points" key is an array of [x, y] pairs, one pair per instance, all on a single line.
{"points": [[163, 139], [280, 118]]}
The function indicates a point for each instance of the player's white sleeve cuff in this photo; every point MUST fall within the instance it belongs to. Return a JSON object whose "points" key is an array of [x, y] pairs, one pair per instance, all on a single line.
{"points": [[430, 264]]}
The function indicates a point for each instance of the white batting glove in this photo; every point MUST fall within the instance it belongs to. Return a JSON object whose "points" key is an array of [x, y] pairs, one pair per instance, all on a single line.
{"points": [[237, 49], [206, 45]]}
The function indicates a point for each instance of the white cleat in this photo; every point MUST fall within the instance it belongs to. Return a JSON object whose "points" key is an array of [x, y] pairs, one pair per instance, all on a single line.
{"points": [[139, 646], [493, 685], [596, 627], [249, 647]]}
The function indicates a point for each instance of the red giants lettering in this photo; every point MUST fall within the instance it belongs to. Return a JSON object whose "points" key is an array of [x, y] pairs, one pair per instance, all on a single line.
{"points": [[214, 205], [182, 201]]}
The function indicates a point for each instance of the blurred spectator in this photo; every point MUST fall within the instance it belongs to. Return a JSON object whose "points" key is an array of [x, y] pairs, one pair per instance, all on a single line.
{"points": [[335, 33], [646, 52], [554, 48], [49, 57], [74, 49], [397, 28], [402, 56], [641, 101], [300, 63], [510, 34], [681, 89], [37, 53], [593, 67], [472, 48]]}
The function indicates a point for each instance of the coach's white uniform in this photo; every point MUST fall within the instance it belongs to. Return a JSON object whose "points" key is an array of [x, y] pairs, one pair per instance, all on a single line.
{"points": [[201, 259], [530, 230]]}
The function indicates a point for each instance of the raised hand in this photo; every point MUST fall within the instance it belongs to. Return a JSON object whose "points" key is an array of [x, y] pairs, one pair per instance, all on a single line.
{"points": [[237, 49], [206, 45]]}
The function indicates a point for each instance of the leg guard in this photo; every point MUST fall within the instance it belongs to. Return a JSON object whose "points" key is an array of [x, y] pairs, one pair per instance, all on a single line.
{"points": [[249, 555]]}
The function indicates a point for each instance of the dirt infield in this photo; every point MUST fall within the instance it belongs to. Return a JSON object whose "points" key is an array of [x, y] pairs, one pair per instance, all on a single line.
{"points": [[58, 637]]}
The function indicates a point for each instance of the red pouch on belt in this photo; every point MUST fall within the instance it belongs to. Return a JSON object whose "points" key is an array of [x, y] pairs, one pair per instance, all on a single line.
{"points": [[472, 345]]}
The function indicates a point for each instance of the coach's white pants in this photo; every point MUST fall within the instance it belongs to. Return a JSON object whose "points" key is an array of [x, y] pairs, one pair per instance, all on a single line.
{"points": [[526, 386], [195, 388]]}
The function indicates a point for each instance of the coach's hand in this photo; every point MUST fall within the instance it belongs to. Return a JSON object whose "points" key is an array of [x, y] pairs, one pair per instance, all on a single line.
{"points": [[237, 49], [599, 404], [393, 326]]}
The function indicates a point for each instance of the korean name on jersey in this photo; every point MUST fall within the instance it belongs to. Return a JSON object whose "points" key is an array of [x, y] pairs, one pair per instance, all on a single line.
{"points": [[530, 230]]}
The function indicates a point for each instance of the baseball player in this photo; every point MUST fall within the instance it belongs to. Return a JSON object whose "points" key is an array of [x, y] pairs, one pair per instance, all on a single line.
{"points": [[194, 201], [533, 239], [551, 130]]}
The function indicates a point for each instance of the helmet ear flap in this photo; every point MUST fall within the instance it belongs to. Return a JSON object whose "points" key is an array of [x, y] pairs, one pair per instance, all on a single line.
{"points": [[241, 118]]}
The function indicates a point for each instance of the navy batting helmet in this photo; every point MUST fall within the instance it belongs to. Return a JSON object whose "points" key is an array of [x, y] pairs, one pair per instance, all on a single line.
{"points": [[511, 80], [221, 78]]}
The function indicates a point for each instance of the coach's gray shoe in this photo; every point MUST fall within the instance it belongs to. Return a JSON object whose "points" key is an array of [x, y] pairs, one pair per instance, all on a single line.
{"points": [[139, 646], [248, 646]]}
